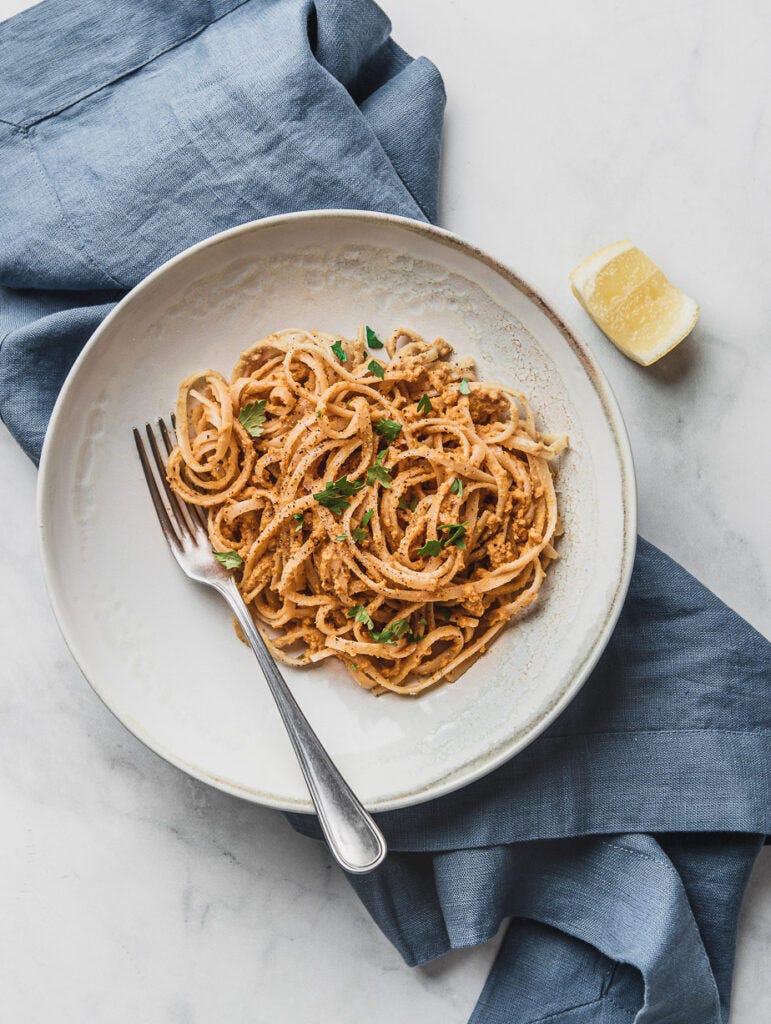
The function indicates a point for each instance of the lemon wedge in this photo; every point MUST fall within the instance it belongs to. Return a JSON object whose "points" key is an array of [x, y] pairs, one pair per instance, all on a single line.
{"points": [[631, 300]]}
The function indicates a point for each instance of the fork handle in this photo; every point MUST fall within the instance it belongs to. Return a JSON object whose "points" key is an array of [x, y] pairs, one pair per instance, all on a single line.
{"points": [[353, 837]]}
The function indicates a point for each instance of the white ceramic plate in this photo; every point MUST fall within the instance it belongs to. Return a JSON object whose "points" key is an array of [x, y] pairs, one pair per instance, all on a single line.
{"points": [[160, 650]]}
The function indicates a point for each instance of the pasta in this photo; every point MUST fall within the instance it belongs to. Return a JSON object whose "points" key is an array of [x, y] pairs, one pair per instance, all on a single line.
{"points": [[392, 513]]}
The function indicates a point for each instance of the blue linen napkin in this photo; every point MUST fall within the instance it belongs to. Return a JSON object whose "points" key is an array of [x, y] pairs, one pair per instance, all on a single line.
{"points": [[619, 842], [131, 129]]}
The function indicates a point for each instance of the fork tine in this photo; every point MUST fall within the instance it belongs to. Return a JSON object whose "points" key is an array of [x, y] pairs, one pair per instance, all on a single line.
{"points": [[194, 510], [160, 509], [183, 522]]}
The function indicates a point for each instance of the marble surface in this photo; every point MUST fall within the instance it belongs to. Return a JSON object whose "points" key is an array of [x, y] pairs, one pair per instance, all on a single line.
{"points": [[130, 893]]}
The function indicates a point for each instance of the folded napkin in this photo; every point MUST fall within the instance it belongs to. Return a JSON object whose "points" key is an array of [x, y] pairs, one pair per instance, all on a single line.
{"points": [[620, 841], [131, 129]]}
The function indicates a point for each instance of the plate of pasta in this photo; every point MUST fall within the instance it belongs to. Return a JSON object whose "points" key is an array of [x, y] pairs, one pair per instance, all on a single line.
{"points": [[416, 473]]}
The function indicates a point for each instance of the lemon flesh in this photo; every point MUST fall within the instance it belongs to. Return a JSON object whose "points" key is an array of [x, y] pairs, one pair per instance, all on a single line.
{"points": [[631, 300]]}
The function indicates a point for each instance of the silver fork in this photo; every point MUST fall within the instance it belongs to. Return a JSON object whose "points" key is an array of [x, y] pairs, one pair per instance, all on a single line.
{"points": [[353, 837]]}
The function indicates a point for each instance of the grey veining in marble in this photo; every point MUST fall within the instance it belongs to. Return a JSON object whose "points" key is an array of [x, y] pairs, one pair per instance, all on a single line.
{"points": [[130, 893]]}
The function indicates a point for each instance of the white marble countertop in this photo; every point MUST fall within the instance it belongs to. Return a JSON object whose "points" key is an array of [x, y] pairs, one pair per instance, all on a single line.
{"points": [[131, 893]]}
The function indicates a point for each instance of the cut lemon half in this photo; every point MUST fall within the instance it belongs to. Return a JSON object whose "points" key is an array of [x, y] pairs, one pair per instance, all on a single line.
{"points": [[631, 300]]}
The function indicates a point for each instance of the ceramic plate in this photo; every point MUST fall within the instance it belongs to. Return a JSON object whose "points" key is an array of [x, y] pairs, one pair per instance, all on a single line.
{"points": [[160, 650]]}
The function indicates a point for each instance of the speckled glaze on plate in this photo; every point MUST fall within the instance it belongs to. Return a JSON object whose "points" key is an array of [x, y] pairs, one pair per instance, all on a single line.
{"points": [[161, 651]]}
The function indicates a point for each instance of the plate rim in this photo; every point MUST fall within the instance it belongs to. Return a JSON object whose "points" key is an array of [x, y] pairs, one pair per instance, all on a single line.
{"points": [[611, 411]]}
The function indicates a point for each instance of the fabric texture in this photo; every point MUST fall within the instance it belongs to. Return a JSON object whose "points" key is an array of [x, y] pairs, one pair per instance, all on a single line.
{"points": [[620, 842], [131, 129]]}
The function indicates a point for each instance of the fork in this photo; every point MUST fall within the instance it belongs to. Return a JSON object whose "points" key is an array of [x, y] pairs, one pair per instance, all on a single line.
{"points": [[356, 842]]}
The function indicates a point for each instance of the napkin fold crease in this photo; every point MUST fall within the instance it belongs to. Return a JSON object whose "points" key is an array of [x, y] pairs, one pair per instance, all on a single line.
{"points": [[620, 842]]}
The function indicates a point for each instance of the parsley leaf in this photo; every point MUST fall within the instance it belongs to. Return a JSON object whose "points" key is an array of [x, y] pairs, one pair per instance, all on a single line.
{"points": [[360, 533], [444, 612], [339, 351], [424, 406], [252, 417], [372, 339], [463, 387], [348, 487], [456, 534], [334, 494], [408, 506], [376, 368], [336, 503], [388, 429], [457, 487], [431, 547], [359, 613], [230, 559], [340, 536], [299, 518], [379, 473], [392, 633], [400, 627]]}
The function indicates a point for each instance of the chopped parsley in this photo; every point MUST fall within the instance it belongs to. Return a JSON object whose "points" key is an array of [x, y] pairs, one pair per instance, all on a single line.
{"points": [[397, 629], [339, 351], [408, 506], [431, 547], [444, 612], [334, 494], [360, 533], [372, 339], [379, 473], [359, 613], [388, 429], [424, 406], [340, 536], [252, 417], [456, 534], [389, 635], [299, 518], [230, 559], [463, 387], [457, 487], [376, 368]]}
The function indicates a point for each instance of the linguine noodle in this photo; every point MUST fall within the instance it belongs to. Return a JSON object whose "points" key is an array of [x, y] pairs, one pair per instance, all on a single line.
{"points": [[393, 513]]}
